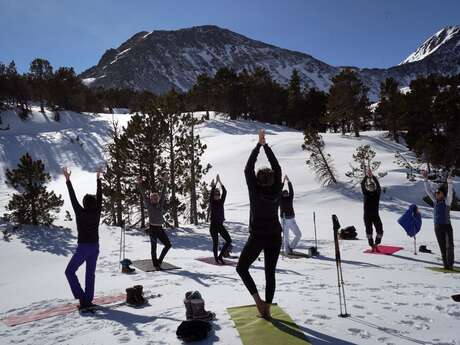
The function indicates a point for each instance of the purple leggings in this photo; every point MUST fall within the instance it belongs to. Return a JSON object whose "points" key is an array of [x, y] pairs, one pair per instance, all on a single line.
{"points": [[85, 252]]}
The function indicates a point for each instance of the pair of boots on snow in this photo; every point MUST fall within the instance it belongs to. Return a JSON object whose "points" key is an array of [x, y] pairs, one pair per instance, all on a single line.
{"points": [[135, 296], [194, 307]]}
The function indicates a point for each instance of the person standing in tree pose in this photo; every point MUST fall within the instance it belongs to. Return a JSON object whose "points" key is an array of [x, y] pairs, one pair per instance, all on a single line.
{"points": [[370, 187], [442, 201], [216, 208], [155, 208], [288, 217], [264, 227], [87, 219]]}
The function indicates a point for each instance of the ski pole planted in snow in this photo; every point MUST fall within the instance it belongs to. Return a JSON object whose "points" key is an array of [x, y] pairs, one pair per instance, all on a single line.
{"points": [[316, 238], [338, 261]]}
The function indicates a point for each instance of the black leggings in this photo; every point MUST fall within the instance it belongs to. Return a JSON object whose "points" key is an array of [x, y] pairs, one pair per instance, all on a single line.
{"points": [[373, 219], [445, 237], [271, 245], [215, 229], [157, 233]]}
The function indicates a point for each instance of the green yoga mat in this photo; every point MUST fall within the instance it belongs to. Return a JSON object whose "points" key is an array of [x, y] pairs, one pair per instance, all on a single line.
{"points": [[442, 269], [281, 330]]}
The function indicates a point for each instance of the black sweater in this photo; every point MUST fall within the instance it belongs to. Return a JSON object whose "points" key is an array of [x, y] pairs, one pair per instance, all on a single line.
{"points": [[87, 220], [371, 199], [286, 208], [264, 201], [217, 206]]}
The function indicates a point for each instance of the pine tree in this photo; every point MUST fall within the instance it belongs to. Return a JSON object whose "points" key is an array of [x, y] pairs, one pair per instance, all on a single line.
{"points": [[319, 161], [295, 100], [34, 204], [364, 157], [172, 107], [41, 73], [391, 107], [194, 149], [348, 103]]}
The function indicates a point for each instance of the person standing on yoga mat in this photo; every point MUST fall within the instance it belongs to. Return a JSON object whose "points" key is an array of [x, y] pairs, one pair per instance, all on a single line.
{"points": [[87, 219], [288, 217], [155, 208], [442, 201], [264, 227], [370, 187], [216, 208]]}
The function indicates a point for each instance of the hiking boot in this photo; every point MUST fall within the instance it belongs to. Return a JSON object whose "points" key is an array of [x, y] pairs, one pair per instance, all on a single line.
{"points": [[376, 249], [220, 260], [188, 308], [127, 269], [131, 298], [198, 311], [139, 294]]}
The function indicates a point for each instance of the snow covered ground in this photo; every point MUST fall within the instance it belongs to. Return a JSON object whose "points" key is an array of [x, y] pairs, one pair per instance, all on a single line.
{"points": [[392, 299]]}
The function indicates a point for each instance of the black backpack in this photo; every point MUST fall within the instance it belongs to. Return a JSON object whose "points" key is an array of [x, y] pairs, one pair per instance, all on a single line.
{"points": [[193, 330], [348, 233]]}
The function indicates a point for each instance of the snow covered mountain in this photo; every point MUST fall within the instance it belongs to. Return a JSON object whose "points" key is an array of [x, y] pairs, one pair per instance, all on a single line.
{"points": [[446, 38], [160, 60]]}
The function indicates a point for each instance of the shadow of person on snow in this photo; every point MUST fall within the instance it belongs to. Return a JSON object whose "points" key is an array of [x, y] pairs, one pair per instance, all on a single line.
{"points": [[129, 320], [389, 331], [51, 239], [302, 333], [200, 278], [416, 260], [348, 262]]}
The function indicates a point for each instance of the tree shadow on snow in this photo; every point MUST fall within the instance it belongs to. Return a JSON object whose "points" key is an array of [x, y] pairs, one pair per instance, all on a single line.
{"points": [[239, 127], [58, 145], [53, 239]]}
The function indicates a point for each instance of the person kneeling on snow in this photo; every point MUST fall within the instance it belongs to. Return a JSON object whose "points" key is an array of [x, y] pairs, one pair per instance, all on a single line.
{"points": [[371, 191], [87, 218], [288, 217], [442, 201]]}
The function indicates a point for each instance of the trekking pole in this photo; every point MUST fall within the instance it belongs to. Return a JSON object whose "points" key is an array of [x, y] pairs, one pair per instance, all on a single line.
{"points": [[316, 239], [338, 261], [284, 239], [343, 290], [124, 240], [121, 242], [415, 245]]}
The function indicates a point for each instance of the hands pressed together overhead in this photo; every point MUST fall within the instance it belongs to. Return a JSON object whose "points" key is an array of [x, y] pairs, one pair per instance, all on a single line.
{"points": [[262, 137]]}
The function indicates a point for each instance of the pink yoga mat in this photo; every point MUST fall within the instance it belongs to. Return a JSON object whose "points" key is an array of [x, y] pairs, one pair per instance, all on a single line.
{"points": [[384, 250], [40, 314]]}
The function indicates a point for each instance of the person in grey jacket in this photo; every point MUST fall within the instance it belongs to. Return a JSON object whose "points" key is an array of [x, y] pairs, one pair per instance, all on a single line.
{"points": [[442, 201], [154, 203]]}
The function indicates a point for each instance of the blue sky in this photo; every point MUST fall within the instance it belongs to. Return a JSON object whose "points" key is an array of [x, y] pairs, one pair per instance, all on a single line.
{"points": [[340, 32]]}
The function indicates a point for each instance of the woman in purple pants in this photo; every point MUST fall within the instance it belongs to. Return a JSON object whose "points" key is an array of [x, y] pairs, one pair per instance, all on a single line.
{"points": [[87, 218]]}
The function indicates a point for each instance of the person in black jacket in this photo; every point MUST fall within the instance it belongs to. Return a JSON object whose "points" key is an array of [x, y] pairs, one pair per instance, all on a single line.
{"points": [[264, 226], [288, 218], [216, 208], [370, 187], [87, 218]]}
